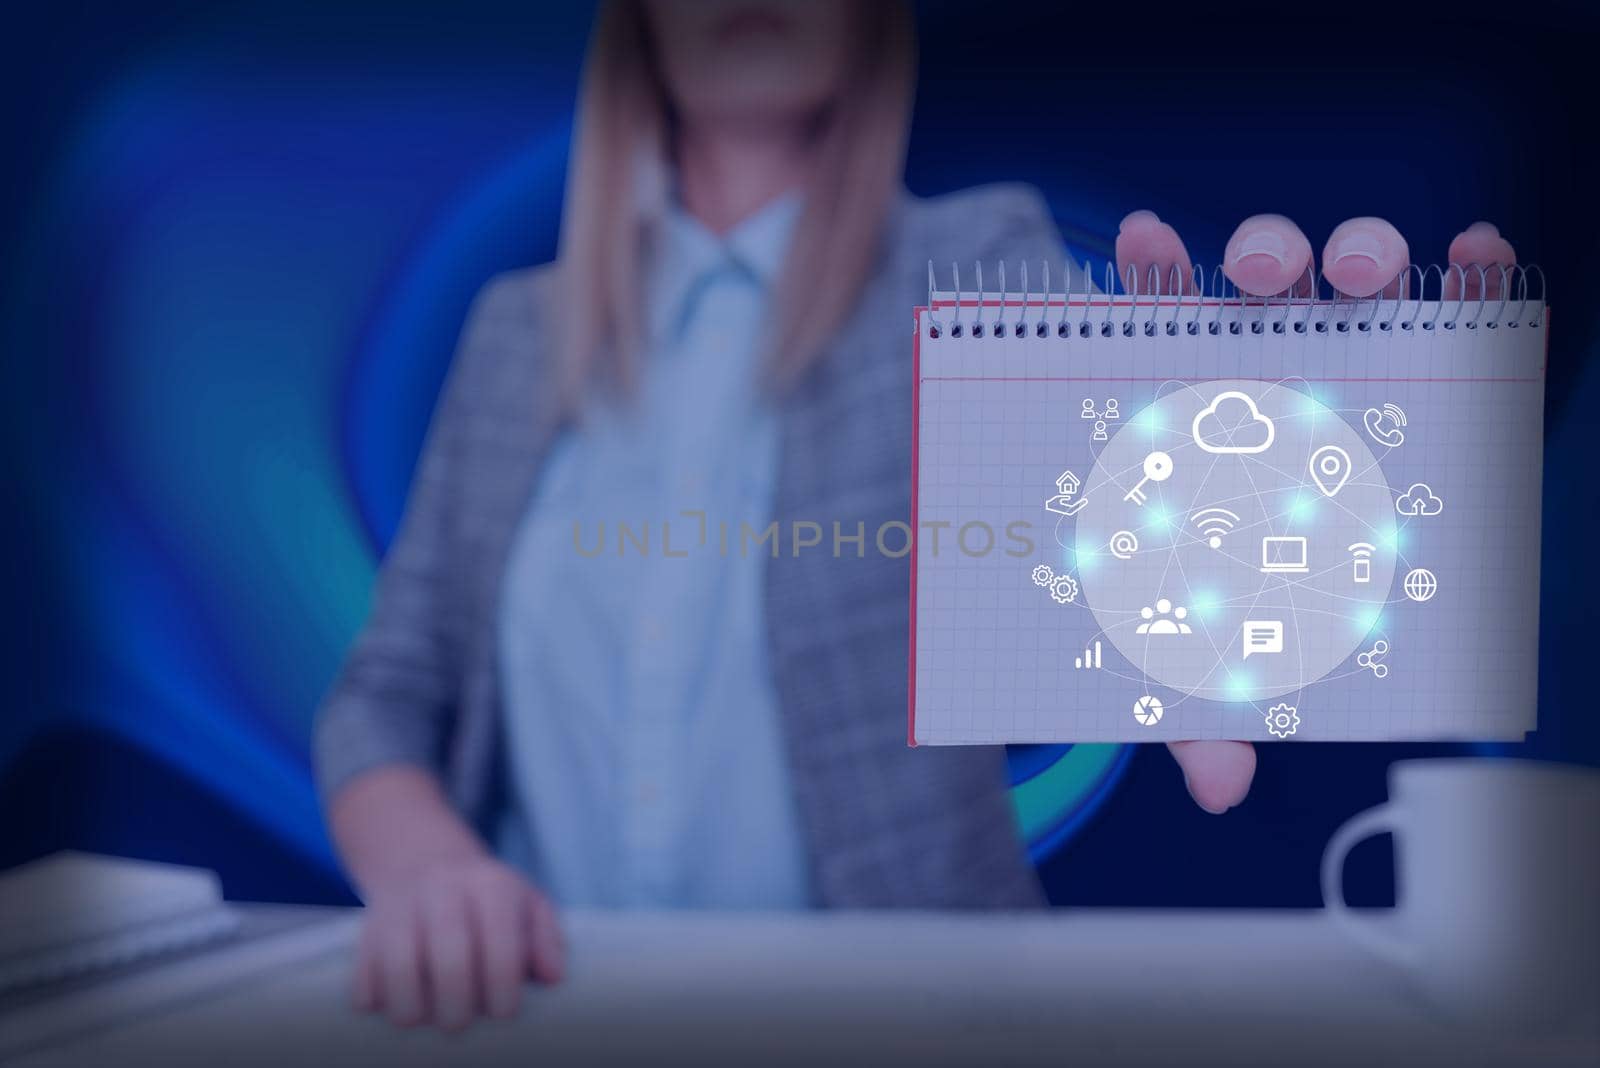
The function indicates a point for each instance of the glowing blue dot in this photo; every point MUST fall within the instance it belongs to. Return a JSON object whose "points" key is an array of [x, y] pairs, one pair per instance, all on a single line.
{"points": [[1302, 508], [1082, 558], [1368, 619]]}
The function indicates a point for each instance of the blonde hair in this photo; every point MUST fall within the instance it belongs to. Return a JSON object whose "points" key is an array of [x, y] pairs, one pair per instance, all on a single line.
{"points": [[621, 142]]}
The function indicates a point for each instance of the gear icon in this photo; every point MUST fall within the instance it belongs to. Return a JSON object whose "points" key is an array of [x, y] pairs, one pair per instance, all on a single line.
{"points": [[1043, 576], [1064, 590], [1283, 720]]}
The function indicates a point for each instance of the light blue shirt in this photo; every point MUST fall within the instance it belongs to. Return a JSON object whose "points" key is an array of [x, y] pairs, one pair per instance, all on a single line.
{"points": [[645, 752]]}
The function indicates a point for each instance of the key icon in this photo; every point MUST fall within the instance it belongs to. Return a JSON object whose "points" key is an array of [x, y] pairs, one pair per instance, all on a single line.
{"points": [[1157, 468]]}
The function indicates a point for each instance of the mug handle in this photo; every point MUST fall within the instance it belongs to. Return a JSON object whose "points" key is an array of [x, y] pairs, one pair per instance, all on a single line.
{"points": [[1359, 827]]}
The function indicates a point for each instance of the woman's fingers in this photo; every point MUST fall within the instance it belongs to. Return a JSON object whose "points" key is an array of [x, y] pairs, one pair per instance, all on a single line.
{"points": [[1268, 255], [455, 946], [364, 985], [498, 932], [542, 939], [1152, 253], [447, 935], [399, 968], [1365, 256], [1479, 245], [1218, 774]]}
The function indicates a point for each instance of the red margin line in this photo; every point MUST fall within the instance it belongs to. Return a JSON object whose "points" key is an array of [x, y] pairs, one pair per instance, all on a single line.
{"points": [[916, 463], [1175, 378]]}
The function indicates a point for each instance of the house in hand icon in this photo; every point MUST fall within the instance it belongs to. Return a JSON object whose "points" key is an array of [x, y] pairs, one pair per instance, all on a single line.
{"points": [[1063, 503]]}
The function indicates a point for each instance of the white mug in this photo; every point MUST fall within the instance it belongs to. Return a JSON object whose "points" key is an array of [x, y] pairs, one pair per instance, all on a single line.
{"points": [[1497, 886]]}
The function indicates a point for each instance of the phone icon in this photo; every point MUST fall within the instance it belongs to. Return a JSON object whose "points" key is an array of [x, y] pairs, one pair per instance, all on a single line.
{"points": [[1386, 425]]}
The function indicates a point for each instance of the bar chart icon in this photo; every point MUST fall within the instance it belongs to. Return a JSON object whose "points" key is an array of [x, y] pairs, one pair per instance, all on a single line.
{"points": [[1089, 659]]}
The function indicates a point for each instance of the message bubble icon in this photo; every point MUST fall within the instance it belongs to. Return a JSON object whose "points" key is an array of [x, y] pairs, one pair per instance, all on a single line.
{"points": [[1262, 636]]}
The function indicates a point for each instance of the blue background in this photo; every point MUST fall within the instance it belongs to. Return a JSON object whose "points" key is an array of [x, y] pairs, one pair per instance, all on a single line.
{"points": [[241, 239]]}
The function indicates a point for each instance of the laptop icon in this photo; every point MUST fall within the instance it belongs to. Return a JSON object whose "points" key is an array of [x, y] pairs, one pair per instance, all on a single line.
{"points": [[1283, 555]]}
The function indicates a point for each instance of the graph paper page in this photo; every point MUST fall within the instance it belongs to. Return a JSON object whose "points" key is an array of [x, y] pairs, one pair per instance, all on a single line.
{"points": [[1248, 531]]}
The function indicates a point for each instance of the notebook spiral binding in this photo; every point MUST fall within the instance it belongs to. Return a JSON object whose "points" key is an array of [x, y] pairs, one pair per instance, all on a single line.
{"points": [[1209, 303]]}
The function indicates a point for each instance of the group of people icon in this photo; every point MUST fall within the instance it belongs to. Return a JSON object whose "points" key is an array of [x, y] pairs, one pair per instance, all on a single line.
{"points": [[1109, 414]]}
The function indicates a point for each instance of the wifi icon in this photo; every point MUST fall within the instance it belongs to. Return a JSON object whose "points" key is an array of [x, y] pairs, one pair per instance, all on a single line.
{"points": [[1213, 523]]}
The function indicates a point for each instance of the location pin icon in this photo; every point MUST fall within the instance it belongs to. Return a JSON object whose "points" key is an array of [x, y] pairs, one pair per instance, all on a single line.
{"points": [[1330, 467]]}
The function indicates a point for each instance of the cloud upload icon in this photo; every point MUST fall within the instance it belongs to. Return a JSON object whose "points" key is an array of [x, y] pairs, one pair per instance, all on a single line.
{"points": [[1242, 430], [1419, 500]]}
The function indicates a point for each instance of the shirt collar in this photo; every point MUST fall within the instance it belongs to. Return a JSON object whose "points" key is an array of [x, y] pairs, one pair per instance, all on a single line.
{"points": [[686, 251], [761, 241]]}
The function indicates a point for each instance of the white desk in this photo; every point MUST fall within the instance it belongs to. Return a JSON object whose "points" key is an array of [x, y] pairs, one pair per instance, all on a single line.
{"points": [[1085, 986]]}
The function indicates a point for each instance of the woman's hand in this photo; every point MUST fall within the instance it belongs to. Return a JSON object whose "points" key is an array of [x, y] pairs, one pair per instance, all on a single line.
{"points": [[450, 933], [1269, 255], [455, 942]]}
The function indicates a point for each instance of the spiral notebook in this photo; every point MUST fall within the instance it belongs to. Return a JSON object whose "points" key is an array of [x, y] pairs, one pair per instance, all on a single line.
{"points": [[1161, 518]]}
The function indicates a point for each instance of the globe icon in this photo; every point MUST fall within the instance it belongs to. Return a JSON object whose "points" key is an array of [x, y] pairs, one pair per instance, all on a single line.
{"points": [[1420, 585]]}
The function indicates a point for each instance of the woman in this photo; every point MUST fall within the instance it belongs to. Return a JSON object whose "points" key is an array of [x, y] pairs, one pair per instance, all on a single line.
{"points": [[536, 716]]}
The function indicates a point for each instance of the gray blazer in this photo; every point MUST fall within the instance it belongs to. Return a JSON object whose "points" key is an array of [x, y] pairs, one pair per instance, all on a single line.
{"points": [[884, 824]]}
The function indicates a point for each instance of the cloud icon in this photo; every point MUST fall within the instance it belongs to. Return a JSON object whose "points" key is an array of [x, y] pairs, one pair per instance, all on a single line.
{"points": [[1241, 428], [1419, 500]]}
